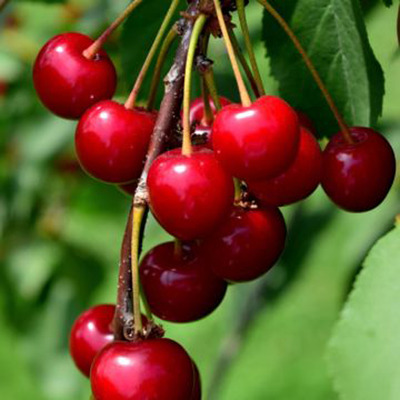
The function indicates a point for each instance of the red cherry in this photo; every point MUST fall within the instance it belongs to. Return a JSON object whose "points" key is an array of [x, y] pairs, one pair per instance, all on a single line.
{"points": [[111, 141], [189, 195], [179, 288], [246, 245], [357, 177], [298, 181], [306, 122], [157, 369], [197, 109], [3, 88], [196, 394], [256, 142], [128, 188], [90, 333], [66, 81]]}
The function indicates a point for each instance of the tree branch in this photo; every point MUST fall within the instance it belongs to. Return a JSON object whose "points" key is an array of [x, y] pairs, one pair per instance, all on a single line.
{"points": [[166, 123]]}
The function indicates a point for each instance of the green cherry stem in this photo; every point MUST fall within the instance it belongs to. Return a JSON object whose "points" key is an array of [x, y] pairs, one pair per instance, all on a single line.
{"points": [[342, 124], [93, 49], [249, 47], [137, 218], [243, 62], [197, 29], [130, 103], [208, 77], [162, 56], [244, 95], [208, 114]]}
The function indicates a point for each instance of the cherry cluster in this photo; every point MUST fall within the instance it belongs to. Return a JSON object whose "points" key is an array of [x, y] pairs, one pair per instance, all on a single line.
{"points": [[219, 199]]}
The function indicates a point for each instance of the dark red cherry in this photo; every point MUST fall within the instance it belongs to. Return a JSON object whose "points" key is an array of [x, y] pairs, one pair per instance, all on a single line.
{"points": [[111, 141], [357, 177], [197, 109], [156, 369], [189, 195], [90, 333], [179, 287], [298, 181], [246, 245], [306, 122], [66, 81], [256, 142], [196, 395]]}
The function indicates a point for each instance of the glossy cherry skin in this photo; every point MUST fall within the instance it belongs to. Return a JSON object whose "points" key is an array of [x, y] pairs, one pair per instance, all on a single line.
{"points": [[90, 333], [357, 177], [197, 109], [257, 142], [299, 181], [246, 245], [111, 141], [66, 81], [179, 288], [189, 195], [156, 369]]}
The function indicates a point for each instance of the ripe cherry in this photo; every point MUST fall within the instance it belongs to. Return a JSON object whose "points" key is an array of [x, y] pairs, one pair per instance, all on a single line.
{"points": [[111, 141], [196, 394], [197, 109], [179, 287], [66, 81], [189, 195], [306, 122], [357, 177], [246, 245], [298, 181], [90, 333], [256, 142], [157, 369]]}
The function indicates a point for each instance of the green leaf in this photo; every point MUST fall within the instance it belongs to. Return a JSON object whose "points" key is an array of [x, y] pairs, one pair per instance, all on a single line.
{"points": [[365, 347], [334, 35]]}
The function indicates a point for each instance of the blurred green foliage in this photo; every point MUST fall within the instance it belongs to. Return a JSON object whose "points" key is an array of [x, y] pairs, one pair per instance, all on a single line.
{"points": [[60, 233]]}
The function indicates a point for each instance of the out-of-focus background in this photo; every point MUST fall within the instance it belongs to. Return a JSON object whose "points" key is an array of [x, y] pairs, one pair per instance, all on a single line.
{"points": [[60, 235]]}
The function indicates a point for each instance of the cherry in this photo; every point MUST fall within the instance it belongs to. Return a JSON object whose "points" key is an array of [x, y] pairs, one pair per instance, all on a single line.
{"points": [[128, 188], [357, 177], [179, 287], [197, 109], [3, 88], [256, 142], [157, 369], [306, 122], [111, 141], [298, 181], [246, 245], [196, 394], [189, 195], [90, 333], [66, 81]]}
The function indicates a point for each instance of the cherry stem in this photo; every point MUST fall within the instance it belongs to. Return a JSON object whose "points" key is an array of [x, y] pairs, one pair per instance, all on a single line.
{"points": [[244, 95], [94, 48], [208, 77], [130, 103], [243, 62], [146, 305], [197, 29], [208, 113], [177, 249], [155, 82], [137, 218], [249, 47], [342, 124], [238, 190]]}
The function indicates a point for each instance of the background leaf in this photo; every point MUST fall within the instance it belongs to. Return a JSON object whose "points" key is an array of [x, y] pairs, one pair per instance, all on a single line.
{"points": [[334, 35], [365, 347]]}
